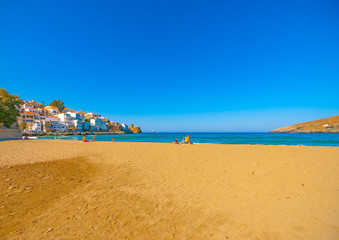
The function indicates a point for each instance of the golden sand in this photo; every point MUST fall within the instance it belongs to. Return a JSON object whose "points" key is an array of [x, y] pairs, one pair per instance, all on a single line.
{"points": [[106, 190]]}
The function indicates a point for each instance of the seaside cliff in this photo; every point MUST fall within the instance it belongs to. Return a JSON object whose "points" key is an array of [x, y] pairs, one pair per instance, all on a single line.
{"points": [[324, 125]]}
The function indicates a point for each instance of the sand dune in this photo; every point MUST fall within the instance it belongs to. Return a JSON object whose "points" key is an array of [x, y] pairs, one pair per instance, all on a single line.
{"points": [[105, 190]]}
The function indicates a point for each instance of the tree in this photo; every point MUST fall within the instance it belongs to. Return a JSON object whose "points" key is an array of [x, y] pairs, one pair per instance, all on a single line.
{"points": [[59, 104], [9, 107], [30, 125], [23, 126], [47, 125], [42, 126]]}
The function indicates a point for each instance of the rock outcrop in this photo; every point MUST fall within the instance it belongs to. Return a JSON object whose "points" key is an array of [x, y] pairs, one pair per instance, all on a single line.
{"points": [[134, 129], [324, 125]]}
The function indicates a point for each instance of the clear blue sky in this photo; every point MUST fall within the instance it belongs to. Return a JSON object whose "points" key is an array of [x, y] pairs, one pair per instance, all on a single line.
{"points": [[177, 65]]}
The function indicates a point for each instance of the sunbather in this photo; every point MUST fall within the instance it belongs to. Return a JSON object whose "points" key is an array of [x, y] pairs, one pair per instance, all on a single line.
{"points": [[84, 138], [186, 140]]}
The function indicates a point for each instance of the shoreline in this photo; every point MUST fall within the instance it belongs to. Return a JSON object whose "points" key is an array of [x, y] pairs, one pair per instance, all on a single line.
{"points": [[171, 143]]}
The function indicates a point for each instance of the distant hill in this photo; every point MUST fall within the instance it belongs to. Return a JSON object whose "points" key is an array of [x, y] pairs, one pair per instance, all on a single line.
{"points": [[325, 125]]}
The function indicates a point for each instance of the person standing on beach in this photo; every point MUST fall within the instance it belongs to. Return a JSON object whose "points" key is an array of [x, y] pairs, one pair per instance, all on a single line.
{"points": [[113, 140], [93, 138]]}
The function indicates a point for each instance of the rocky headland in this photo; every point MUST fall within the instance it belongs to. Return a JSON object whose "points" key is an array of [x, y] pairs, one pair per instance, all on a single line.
{"points": [[324, 125]]}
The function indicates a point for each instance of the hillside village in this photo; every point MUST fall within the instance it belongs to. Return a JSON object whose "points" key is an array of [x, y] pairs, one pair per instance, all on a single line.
{"points": [[37, 118]]}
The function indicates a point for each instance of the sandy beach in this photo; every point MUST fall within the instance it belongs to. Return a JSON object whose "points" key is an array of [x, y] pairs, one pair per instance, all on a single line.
{"points": [[105, 190]]}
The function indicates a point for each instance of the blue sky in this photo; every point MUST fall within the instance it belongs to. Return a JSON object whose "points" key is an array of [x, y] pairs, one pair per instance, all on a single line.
{"points": [[176, 65]]}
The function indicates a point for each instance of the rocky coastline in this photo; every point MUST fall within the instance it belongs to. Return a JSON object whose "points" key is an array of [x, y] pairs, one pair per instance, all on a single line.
{"points": [[324, 125]]}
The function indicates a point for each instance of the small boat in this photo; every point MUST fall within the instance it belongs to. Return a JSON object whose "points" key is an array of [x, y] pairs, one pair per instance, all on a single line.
{"points": [[30, 138]]}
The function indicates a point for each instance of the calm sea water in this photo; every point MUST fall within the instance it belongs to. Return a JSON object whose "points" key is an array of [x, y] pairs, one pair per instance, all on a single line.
{"points": [[309, 139]]}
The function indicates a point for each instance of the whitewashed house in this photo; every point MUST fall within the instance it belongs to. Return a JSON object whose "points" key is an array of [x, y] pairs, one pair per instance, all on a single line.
{"points": [[35, 104], [36, 126], [77, 116], [124, 126], [68, 110], [78, 125], [52, 119], [26, 117], [98, 124], [54, 123], [60, 127], [81, 112], [52, 110], [28, 107], [67, 119]]}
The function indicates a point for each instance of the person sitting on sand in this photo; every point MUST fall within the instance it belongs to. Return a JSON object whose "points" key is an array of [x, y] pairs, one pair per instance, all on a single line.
{"points": [[26, 138], [186, 140], [84, 138], [176, 141]]}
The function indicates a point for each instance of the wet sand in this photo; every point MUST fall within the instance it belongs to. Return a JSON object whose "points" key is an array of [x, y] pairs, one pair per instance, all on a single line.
{"points": [[105, 190]]}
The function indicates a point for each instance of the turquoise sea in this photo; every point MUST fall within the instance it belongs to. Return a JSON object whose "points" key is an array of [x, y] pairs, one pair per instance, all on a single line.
{"points": [[307, 139]]}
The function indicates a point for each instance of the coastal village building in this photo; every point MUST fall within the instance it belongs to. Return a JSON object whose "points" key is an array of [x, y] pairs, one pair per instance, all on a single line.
{"points": [[67, 119], [98, 124], [55, 124], [32, 104], [54, 120], [36, 126], [68, 110], [81, 113], [77, 116], [78, 124], [48, 118], [30, 108], [35, 104], [124, 127], [92, 115], [26, 117], [51, 110]]}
